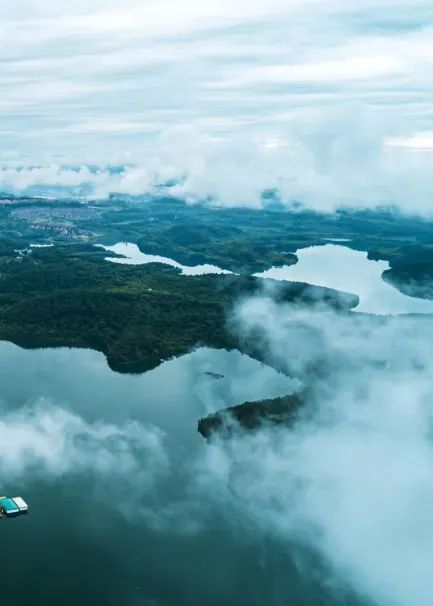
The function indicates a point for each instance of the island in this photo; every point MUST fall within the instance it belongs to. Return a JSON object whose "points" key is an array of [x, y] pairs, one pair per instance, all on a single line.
{"points": [[251, 416]]}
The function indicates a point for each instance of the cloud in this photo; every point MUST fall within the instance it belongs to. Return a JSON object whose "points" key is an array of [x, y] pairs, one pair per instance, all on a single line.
{"points": [[46, 441], [357, 68], [323, 164], [99, 83], [353, 480]]}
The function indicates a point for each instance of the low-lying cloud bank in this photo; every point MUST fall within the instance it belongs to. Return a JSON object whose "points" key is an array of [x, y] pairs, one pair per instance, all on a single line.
{"points": [[326, 165], [354, 479]]}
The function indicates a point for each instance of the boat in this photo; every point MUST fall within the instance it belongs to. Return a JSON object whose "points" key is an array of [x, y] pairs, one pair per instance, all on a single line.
{"points": [[13, 506]]}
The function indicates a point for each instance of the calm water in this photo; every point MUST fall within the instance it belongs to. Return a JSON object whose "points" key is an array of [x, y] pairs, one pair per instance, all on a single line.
{"points": [[131, 533], [132, 255], [339, 267]]}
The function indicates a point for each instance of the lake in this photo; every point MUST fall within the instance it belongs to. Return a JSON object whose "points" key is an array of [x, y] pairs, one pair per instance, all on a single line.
{"points": [[339, 267], [109, 464], [132, 255], [331, 265]]}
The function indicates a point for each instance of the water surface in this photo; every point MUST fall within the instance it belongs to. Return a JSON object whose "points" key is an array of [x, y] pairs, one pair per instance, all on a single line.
{"points": [[336, 266], [132, 255], [137, 538]]}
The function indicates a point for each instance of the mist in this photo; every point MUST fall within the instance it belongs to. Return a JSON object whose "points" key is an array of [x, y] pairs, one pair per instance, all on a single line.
{"points": [[46, 441], [315, 163], [353, 479]]}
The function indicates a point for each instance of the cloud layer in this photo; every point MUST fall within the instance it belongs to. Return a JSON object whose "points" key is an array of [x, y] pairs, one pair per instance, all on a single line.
{"points": [[329, 102]]}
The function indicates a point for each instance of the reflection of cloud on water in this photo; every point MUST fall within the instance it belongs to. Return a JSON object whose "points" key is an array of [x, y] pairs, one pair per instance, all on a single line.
{"points": [[47, 441], [241, 379], [71, 415]]}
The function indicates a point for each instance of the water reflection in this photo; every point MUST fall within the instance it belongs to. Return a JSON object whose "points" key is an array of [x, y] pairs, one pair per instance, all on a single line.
{"points": [[143, 538], [341, 268]]}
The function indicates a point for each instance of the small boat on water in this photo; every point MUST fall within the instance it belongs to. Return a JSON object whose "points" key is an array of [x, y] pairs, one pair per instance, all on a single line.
{"points": [[13, 506], [214, 375]]}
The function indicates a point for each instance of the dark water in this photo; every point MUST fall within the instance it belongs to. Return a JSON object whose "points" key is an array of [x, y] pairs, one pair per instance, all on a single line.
{"points": [[79, 545]]}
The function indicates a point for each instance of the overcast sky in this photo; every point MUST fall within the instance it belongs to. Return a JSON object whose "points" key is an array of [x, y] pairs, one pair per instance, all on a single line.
{"points": [[114, 81]]}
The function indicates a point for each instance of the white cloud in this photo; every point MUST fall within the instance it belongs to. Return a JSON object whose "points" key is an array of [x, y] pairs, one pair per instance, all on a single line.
{"points": [[103, 82], [354, 478], [48, 441], [349, 159], [421, 141], [356, 68]]}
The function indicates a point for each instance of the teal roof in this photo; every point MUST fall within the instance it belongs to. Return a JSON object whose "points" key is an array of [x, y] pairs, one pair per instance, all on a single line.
{"points": [[9, 506]]}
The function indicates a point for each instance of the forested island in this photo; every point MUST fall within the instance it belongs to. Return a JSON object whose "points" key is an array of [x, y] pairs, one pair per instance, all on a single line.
{"points": [[251, 416]]}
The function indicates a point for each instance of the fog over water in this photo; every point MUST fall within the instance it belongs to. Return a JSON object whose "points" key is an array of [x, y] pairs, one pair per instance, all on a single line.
{"points": [[125, 493], [354, 478], [120, 486]]}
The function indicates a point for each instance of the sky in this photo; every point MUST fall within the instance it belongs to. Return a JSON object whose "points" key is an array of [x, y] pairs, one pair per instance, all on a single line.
{"points": [[330, 103]]}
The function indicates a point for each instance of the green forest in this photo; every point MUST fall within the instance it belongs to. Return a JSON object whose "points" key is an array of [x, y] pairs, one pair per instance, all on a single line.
{"points": [[136, 315]]}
